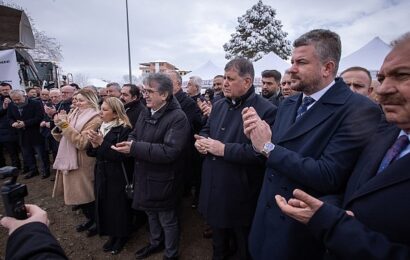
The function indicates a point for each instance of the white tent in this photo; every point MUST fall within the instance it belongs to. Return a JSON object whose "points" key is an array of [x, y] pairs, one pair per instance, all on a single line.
{"points": [[270, 61], [206, 71], [370, 56], [97, 82]]}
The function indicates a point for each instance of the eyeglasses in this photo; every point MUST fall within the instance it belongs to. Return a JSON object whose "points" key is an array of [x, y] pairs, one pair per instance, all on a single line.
{"points": [[217, 84], [148, 91]]}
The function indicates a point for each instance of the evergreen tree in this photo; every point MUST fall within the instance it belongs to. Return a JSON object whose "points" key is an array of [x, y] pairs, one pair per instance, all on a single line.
{"points": [[258, 33]]}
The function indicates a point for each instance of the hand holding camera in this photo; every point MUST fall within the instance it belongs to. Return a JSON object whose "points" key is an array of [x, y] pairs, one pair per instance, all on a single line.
{"points": [[35, 214]]}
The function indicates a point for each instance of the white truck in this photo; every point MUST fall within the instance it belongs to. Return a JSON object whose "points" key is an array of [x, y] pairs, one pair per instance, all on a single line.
{"points": [[17, 67]]}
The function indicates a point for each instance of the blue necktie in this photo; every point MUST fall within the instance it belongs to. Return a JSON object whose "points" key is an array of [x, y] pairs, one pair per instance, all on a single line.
{"points": [[307, 101], [393, 153]]}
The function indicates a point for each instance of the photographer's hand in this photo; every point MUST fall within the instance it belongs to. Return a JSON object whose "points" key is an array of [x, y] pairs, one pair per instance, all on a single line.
{"points": [[34, 213]]}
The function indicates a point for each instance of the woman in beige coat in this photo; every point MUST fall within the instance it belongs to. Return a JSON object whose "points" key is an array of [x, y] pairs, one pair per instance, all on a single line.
{"points": [[75, 170]]}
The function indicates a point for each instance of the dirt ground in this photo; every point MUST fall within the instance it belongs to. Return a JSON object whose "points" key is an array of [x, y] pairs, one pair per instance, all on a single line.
{"points": [[77, 246]]}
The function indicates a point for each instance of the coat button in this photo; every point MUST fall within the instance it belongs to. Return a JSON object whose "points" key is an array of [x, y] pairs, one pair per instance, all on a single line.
{"points": [[222, 128], [267, 206], [213, 158]]}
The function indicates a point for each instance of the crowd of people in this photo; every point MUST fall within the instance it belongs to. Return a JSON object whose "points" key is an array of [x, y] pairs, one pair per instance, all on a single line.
{"points": [[313, 167]]}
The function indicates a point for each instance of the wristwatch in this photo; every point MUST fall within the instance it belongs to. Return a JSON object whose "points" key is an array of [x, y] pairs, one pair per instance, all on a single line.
{"points": [[267, 148]]}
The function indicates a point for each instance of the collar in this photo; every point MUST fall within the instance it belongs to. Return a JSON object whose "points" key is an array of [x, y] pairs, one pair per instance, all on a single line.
{"points": [[317, 95], [154, 111], [238, 101]]}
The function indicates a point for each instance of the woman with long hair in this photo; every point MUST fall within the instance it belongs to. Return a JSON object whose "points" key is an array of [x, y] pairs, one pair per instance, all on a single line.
{"points": [[112, 169], [75, 170]]}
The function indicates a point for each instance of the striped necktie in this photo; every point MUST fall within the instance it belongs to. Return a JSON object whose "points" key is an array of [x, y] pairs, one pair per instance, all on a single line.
{"points": [[393, 153], [307, 101]]}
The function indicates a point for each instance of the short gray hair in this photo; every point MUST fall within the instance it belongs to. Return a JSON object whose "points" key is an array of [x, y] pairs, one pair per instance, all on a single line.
{"points": [[115, 85], [197, 81], [326, 43], [17, 92], [163, 81], [243, 66]]}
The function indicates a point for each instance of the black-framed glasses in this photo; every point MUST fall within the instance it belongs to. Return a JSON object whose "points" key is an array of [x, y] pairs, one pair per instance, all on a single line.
{"points": [[147, 91]]}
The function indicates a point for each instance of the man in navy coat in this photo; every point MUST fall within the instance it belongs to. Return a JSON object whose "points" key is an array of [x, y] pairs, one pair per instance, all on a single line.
{"points": [[314, 143], [232, 171], [376, 224]]}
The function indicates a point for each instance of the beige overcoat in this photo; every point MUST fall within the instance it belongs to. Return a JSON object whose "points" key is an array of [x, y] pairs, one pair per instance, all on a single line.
{"points": [[78, 185]]}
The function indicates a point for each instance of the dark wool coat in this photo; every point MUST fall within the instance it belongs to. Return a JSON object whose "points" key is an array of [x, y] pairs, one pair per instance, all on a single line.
{"points": [[7, 133], [158, 143], [133, 110], [230, 184], [32, 116], [113, 209], [316, 154], [380, 227], [33, 241]]}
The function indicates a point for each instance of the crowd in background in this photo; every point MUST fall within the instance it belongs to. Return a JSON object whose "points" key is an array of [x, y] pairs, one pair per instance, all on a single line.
{"points": [[255, 163]]}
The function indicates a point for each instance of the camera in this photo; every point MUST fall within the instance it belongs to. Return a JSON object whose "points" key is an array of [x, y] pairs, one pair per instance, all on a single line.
{"points": [[13, 193]]}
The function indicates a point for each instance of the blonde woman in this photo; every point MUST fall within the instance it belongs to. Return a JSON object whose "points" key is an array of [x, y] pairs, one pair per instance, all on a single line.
{"points": [[75, 170], [113, 208]]}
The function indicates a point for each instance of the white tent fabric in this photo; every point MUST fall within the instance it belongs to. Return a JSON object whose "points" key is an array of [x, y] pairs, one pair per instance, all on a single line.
{"points": [[370, 56], [206, 71], [97, 82], [270, 61]]}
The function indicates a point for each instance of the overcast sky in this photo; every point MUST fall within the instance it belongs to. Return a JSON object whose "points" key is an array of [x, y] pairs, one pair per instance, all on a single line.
{"points": [[188, 33]]}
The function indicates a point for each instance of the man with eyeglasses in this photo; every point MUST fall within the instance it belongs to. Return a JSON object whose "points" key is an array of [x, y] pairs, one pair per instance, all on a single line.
{"points": [[157, 143], [358, 79]]}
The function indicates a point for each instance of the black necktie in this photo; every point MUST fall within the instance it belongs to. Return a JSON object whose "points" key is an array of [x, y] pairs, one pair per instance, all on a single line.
{"points": [[307, 101]]}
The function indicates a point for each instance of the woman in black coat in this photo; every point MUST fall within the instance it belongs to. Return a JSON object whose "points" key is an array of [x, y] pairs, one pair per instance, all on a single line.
{"points": [[113, 208]]}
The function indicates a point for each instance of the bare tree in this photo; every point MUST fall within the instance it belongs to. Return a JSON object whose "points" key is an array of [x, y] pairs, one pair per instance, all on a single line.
{"points": [[80, 79], [47, 48]]}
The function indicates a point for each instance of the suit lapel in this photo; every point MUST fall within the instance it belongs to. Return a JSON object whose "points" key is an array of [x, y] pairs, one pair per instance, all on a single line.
{"points": [[319, 112], [395, 173], [287, 112], [372, 156]]}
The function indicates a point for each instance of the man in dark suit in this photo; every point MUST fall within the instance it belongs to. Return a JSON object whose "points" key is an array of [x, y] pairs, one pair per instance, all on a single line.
{"points": [[376, 223], [313, 145], [25, 115], [232, 171]]}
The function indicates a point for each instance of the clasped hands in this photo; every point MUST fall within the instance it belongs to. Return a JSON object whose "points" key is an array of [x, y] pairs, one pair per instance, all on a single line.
{"points": [[256, 129], [18, 124], [208, 145], [205, 107], [96, 138], [60, 118]]}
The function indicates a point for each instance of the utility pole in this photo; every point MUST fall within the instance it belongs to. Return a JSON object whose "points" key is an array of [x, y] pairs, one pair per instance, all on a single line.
{"points": [[129, 49]]}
